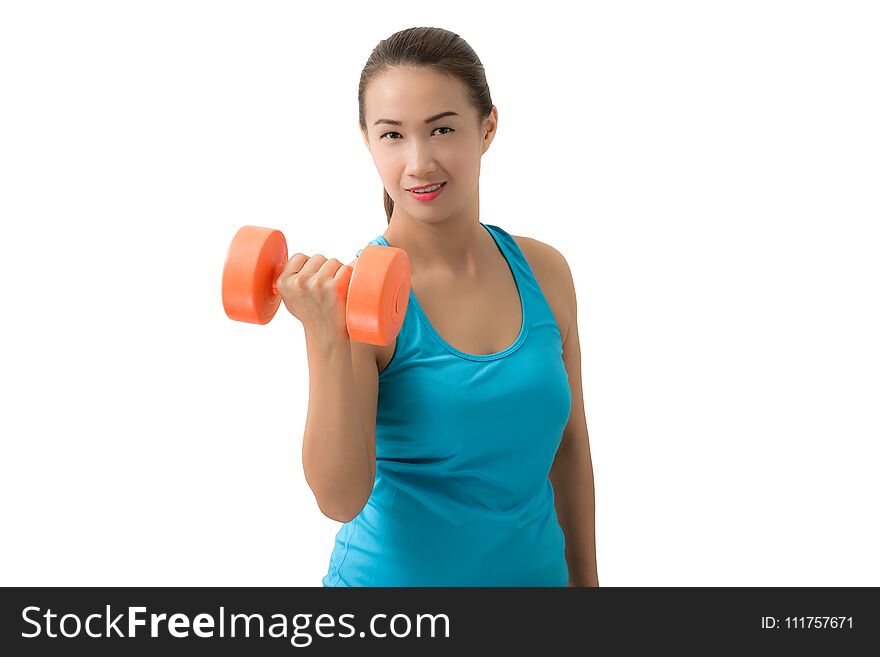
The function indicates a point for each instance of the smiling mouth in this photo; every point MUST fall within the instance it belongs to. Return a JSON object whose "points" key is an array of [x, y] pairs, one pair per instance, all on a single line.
{"points": [[423, 190]]}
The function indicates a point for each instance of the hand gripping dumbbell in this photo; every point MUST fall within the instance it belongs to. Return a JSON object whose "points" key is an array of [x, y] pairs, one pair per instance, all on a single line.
{"points": [[375, 290]]}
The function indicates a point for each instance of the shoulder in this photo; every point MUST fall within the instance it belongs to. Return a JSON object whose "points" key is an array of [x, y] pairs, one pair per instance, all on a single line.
{"points": [[554, 276], [545, 253]]}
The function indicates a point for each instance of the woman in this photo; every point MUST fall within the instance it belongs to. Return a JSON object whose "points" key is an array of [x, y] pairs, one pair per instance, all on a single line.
{"points": [[473, 467]]}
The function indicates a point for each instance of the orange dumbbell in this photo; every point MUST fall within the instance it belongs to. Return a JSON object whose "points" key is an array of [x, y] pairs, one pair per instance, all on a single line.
{"points": [[376, 288]]}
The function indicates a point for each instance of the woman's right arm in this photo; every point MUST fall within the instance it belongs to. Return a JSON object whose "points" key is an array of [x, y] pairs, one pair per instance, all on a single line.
{"points": [[339, 443]]}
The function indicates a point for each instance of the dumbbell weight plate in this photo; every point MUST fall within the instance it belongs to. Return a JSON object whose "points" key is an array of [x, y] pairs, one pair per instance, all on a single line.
{"points": [[254, 262], [378, 294]]}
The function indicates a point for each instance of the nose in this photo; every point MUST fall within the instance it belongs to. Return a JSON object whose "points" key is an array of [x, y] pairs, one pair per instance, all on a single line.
{"points": [[421, 161]]}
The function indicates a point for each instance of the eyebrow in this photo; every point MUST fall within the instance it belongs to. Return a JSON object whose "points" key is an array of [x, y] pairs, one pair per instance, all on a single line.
{"points": [[430, 119]]}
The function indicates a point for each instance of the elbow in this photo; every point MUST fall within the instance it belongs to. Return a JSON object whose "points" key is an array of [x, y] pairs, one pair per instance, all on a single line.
{"points": [[341, 513], [339, 517], [343, 505], [342, 508]]}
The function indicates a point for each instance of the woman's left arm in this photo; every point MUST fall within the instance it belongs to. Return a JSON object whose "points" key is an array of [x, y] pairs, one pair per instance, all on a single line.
{"points": [[572, 473]]}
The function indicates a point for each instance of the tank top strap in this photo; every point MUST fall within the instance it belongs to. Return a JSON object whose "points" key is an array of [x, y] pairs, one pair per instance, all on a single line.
{"points": [[541, 316], [379, 239]]}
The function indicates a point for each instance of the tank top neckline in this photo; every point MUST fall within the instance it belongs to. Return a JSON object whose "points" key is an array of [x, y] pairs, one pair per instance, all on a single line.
{"points": [[524, 308]]}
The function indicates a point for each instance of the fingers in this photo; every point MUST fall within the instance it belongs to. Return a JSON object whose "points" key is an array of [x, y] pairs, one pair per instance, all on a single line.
{"points": [[317, 266], [295, 263], [329, 268], [343, 269]]}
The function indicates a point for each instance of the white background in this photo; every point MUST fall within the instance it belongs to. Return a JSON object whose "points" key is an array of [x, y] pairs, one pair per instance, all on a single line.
{"points": [[709, 169]]}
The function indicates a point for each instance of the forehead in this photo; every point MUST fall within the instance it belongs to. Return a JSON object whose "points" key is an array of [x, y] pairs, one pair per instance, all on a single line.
{"points": [[410, 94]]}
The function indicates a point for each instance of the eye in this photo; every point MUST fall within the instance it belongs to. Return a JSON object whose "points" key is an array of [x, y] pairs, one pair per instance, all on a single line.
{"points": [[397, 133]]}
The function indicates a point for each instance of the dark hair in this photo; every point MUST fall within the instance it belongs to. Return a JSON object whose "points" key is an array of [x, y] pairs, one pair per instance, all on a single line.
{"points": [[431, 47]]}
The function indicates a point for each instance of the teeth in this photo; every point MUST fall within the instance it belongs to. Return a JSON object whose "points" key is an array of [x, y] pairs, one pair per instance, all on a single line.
{"points": [[427, 189]]}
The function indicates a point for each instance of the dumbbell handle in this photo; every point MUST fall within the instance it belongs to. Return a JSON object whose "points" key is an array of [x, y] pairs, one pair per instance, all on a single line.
{"points": [[278, 269]]}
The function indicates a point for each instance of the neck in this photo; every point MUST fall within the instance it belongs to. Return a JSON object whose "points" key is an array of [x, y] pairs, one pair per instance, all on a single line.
{"points": [[455, 245]]}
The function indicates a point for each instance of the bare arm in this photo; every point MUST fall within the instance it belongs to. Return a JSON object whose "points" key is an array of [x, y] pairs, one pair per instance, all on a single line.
{"points": [[338, 456], [572, 471]]}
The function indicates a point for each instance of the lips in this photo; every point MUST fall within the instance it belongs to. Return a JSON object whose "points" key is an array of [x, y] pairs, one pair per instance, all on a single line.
{"points": [[427, 196], [410, 189]]}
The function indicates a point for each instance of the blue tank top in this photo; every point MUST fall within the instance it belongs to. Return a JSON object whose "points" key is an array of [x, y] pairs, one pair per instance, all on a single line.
{"points": [[464, 446]]}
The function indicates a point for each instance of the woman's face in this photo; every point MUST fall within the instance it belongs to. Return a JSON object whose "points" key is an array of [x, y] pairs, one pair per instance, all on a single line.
{"points": [[413, 152]]}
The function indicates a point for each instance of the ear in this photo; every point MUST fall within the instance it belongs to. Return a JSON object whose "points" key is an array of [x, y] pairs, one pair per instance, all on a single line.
{"points": [[490, 127], [492, 123]]}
